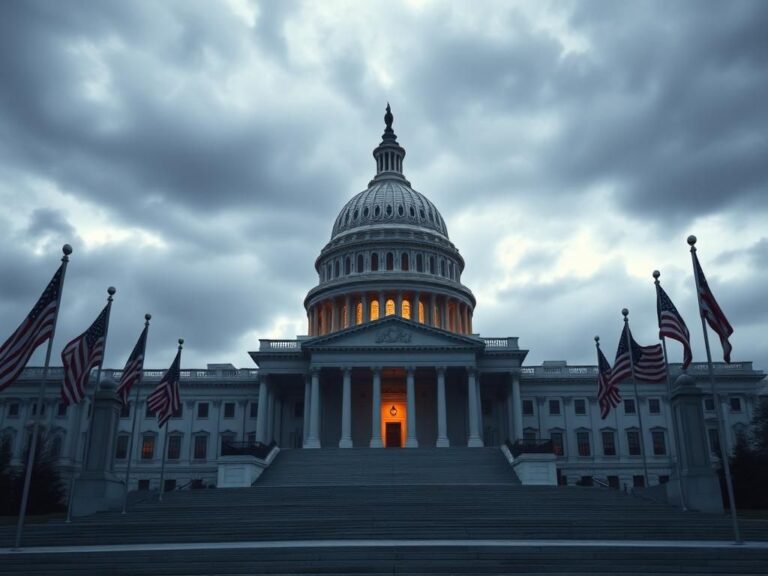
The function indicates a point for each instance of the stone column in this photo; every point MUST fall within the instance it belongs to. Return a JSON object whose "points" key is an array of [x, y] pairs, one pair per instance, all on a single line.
{"points": [[415, 307], [348, 308], [474, 440], [313, 441], [382, 305], [444, 314], [261, 414], [307, 404], [334, 324], [569, 453], [366, 307], [517, 407], [271, 414], [346, 409], [376, 441], [411, 440], [399, 304], [442, 420]]}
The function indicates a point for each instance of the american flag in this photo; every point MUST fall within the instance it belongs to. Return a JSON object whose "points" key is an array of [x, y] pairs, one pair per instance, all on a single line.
{"points": [[165, 399], [36, 328], [607, 391], [80, 356], [133, 367], [649, 361], [672, 325], [711, 312]]}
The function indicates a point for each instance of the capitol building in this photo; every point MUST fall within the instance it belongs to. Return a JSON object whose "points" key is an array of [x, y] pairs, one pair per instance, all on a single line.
{"points": [[391, 359]]}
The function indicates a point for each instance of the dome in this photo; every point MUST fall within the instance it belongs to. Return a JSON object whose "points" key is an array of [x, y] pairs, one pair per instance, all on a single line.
{"points": [[389, 201]]}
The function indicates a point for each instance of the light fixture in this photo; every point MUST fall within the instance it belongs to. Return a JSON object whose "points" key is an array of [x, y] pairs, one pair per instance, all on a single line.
{"points": [[393, 410]]}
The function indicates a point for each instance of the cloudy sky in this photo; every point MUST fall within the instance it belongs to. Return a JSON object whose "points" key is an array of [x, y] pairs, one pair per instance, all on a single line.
{"points": [[195, 155]]}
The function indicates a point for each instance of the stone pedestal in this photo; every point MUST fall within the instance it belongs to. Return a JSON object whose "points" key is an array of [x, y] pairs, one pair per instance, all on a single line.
{"points": [[98, 488]]}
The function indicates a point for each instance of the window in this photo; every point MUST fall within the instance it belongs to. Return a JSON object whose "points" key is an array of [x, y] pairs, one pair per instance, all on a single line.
{"points": [[714, 440], [442, 267], [374, 310], [148, 447], [406, 311], [360, 264], [389, 307], [226, 439], [336, 269], [431, 264], [529, 435], [659, 443], [13, 410], [374, 262], [421, 313], [201, 447], [638, 480], [554, 407], [709, 404], [61, 410], [179, 412], [148, 413], [557, 443], [735, 404], [629, 406], [654, 405], [633, 442], [144, 484], [125, 411], [450, 269], [347, 266], [121, 450], [580, 406], [229, 410], [582, 441], [613, 482], [42, 409], [527, 407], [390, 261], [174, 447], [254, 410], [609, 443], [202, 410], [419, 263], [404, 262]]}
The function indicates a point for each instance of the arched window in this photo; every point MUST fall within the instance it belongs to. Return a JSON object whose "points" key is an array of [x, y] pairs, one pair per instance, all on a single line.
{"points": [[404, 262], [374, 262], [406, 311], [374, 307], [390, 307], [436, 315], [347, 266], [390, 261], [360, 263], [328, 271], [431, 264], [336, 269], [421, 312], [419, 263], [450, 270], [359, 313], [442, 268]]}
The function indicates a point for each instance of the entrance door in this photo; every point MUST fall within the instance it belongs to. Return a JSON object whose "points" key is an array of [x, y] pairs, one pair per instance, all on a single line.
{"points": [[394, 434]]}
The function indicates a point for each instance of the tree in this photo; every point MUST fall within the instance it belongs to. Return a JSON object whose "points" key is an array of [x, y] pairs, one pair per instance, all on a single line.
{"points": [[8, 505], [46, 491], [749, 463]]}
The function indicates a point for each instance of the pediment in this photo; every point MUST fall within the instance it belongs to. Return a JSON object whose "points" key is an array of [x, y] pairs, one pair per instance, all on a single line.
{"points": [[393, 332]]}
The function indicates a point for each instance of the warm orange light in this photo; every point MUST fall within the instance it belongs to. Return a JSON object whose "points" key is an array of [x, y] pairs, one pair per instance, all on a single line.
{"points": [[407, 309], [421, 312], [359, 314], [399, 416], [374, 309], [390, 307]]}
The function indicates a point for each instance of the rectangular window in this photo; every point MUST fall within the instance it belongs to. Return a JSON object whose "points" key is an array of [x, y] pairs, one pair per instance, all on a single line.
{"points": [[554, 407], [61, 410], [125, 411], [202, 410], [174, 447], [735, 404], [659, 443], [709, 404], [609, 443], [633, 442], [527, 407], [613, 482], [580, 406], [557, 443], [13, 410], [529, 435], [149, 413], [654, 405], [638, 480], [582, 441], [254, 410], [144, 484], [148, 447], [629, 406], [229, 410], [714, 440], [121, 451], [201, 447]]}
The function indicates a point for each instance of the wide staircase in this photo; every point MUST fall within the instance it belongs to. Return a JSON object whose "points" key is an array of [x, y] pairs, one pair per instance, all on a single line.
{"points": [[391, 512]]}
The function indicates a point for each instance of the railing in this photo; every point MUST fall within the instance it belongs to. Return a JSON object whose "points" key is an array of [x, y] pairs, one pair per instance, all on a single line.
{"points": [[279, 346], [675, 369], [530, 447], [509, 343], [57, 373], [255, 449]]}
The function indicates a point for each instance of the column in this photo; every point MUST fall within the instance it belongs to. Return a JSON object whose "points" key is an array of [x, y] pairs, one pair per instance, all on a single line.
{"points": [[271, 414], [480, 426], [415, 307], [346, 409], [517, 406], [313, 311], [313, 441], [399, 304], [307, 404], [410, 440], [348, 308], [366, 308], [261, 414], [334, 315], [382, 305], [444, 314], [376, 441], [474, 440], [442, 421]]}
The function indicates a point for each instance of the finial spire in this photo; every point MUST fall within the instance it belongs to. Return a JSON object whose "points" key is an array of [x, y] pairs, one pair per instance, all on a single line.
{"points": [[389, 154]]}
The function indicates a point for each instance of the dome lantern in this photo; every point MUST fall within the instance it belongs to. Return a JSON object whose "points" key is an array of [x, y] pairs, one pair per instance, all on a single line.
{"points": [[389, 154]]}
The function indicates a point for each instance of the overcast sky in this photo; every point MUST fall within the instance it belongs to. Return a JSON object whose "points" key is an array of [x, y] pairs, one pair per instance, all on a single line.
{"points": [[196, 154]]}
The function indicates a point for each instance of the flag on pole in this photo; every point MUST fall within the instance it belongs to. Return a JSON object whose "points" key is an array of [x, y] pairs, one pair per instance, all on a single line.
{"points": [[649, 361], [710, 310], [608, 395], [672, 325], [165, 399], [80, 356], [36, 329], [133, 367]]}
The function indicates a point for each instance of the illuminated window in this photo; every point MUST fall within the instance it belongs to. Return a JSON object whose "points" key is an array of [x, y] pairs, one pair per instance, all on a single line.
{"points": [[407, 309], [359, 313], [148, 447], [374, 309], [404, 262], [344, 316], [421, 312], [390, 307], [374, 262], [390, 261], [436, 315]]}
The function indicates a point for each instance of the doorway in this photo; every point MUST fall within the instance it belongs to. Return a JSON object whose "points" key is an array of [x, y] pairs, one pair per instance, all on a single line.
{"points": [[394, 435]]}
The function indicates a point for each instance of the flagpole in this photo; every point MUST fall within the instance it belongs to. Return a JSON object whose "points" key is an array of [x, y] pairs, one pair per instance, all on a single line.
{"points": [[67, 250], [718, 408], [676, 439], [147, 318], [111, 292], [165, 444], [625, 313]]}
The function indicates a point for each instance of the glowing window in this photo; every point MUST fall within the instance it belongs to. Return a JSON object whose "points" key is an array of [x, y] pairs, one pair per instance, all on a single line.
{"points": [[374, 262], [406, 312], [374, 309], [390, 261], [436, 315], [359, 313], [390, 307], [404, 262], [421, 312], [344, 317]]}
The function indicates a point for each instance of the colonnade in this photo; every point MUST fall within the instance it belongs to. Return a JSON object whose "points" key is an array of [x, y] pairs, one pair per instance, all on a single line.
{"points": [[431, 309]]}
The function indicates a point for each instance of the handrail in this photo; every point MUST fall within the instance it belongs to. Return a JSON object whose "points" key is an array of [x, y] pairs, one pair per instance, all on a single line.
{"points": [[255, 449], [530, 447]]}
